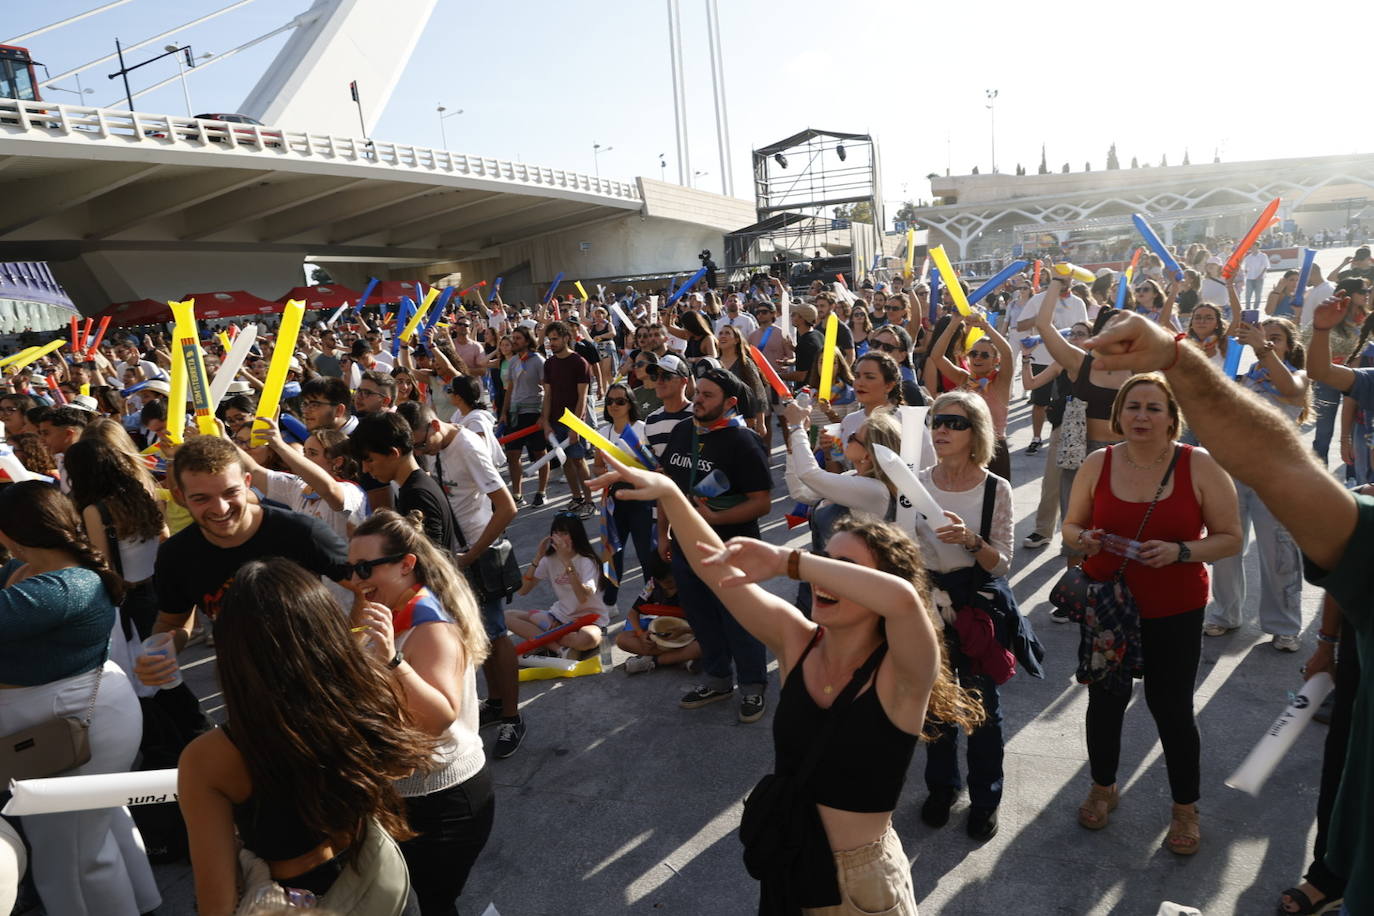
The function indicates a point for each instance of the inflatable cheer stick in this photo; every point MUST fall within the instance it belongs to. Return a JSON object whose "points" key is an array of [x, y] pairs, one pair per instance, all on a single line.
{"points": [[234, 358], [580, 291], [910, 252], [519, 433], [918, 503], [367, 292], [1124, 283], [187, 348], [99, 336], [832, 330], [20, 360], [1233, 354], [935, 297], [1277, 741], [224, 342], [22, 354], [555, 451], [1267, 214], [685, 288], [553, 287], [495, 290], [1035, 277], [1300, 294], [176, 394], [281, 362], [575, 424], [618, 312], [419, 314], [85, 335], [950, 278], [76, 337], [1157, 246], [437, 311], [1003, 276], [770, 374], [61, 794], [1074, 272], [404, 309], [335, 317], [556, 634]]}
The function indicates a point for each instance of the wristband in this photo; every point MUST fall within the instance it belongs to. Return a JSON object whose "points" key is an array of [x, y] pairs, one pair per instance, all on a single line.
{"points": [[1174, 362], [1328, 639], [396, 660], [794, 565]]}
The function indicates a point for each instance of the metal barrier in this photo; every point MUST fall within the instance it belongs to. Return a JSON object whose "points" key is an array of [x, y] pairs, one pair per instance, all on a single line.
{"points": [[115, 127]]}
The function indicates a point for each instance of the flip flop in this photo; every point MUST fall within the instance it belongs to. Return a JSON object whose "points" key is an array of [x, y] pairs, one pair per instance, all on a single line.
{"points": [[1305, 905]]}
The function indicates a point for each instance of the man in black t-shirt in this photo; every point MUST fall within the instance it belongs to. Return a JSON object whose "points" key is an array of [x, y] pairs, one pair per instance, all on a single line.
{"points": [[809, 344], [732, 501], [197, 564], [844, 337], [384, 444]]}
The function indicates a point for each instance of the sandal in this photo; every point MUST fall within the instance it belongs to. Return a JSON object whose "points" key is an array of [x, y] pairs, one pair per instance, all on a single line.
{"points": [[1306, 906], [1095, 813], [1184, 834]]}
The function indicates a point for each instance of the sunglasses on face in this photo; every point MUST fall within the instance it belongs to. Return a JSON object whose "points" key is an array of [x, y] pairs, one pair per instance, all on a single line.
{"points": [[886, 347], [854, 438], [950, 421], [617, 402], [363, 568], [894, 308], [980, 354]]}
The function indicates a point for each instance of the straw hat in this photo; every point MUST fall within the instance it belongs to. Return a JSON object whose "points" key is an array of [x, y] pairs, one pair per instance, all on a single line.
{"points": [[670, 632]]}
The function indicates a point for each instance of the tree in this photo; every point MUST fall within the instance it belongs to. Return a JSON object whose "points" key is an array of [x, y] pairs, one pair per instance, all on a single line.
{"points": [[1087, 166], [1164, 161], [318, 275], [1112, 162], [861, 212], [907, 212], [1185, 156], [1216, 155], [975, 170], [1065, 169], [1135, 163], [1044, 168]]}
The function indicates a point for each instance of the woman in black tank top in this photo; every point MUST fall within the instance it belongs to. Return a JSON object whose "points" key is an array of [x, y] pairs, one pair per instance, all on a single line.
{"points": [[844, 750]]}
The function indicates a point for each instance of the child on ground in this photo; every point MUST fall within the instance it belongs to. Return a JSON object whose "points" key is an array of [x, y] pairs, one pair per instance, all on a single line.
{"points": [[659, 598]]}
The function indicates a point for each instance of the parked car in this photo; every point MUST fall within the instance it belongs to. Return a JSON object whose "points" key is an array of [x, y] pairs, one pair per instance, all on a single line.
{"points": [[241, 134]]}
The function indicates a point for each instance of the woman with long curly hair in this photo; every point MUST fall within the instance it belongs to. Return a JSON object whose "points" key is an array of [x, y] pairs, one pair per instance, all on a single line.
{"points": [[317, 732], [57, 608], [696, 330], [423, 624], [871, 625], [734, 357]]}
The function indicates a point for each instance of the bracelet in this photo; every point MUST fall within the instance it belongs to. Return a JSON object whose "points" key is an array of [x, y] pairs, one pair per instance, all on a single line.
{"points": [[1327, 638], [1177, 337], [794, 565]]}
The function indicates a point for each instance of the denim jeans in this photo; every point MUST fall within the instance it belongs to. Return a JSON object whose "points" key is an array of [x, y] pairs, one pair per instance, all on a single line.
{"points": [[1327, 403], [1252, 292], [634, 521], [1280, 582], [728, 653], [984, 751]]}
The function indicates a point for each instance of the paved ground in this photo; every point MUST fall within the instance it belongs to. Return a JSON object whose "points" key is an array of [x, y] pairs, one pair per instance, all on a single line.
{"points": [[619, 801]]}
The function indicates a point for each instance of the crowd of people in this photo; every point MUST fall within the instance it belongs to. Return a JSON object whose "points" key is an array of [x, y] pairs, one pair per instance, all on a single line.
{"points": [[351, 553]]}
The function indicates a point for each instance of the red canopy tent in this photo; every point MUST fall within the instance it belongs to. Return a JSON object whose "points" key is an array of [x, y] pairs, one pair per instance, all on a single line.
{"points": [[137, 311], [231, 304], [393, 291], [322, 297]]}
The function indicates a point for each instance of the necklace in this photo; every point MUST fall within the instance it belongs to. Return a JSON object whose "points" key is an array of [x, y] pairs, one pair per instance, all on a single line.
{"points": [[1126, 453]]}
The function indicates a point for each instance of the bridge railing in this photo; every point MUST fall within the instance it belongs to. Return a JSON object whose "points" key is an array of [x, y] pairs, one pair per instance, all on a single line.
{"points": [[113, 126]]}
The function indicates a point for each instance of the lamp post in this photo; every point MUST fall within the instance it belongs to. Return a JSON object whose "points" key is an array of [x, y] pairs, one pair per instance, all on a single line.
{"points": [[662, 167], [181, 72], [992, 119], [597, 150], [699, 173], [443, 135], [124, 71]]}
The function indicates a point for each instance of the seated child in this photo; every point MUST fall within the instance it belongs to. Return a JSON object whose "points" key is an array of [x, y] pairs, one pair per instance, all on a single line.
{"points": [[658, 598], [566, 560]]}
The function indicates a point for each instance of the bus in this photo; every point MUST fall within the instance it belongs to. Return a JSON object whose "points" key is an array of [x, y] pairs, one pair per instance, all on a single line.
{"points": [[17, 79]]}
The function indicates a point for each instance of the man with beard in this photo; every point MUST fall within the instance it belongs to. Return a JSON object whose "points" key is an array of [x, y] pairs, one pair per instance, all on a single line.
{"points": [[566, 377], [719, 464]]}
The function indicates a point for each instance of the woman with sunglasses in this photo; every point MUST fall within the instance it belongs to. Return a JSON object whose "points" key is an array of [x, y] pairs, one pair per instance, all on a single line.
{"points": [[896, 343], [1154, 303], [859, 327], [602, 334], [988, 373], [934, 380], [869, 607], [974, 600], [1166, 574], [633, 521], [417, 617]]}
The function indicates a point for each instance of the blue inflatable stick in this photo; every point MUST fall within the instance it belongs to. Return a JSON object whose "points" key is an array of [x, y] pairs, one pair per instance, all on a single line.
{"points": [[437, 310], [553, 287], [367, 291], [1002, 277], [1233, 351], [1300, 294], [403, 313], [692, 281], [934, 297], [495, 289], [1157, 246]]}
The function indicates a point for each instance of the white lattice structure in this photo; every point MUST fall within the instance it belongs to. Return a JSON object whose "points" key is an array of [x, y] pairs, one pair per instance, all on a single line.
{"points": [[1061, 202]]}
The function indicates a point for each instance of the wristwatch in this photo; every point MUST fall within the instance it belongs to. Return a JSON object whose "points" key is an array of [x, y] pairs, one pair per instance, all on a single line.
{"points": [[396, 661], [1184, 554], [977, 545]]}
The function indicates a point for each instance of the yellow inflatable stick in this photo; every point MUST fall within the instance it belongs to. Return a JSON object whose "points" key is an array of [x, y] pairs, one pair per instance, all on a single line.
{"points": [[910, 252], [86, 388], [580, 291], [949, 278], [974, 334], [415, 319], [20, 360], [1073, 271], [586, 666], [22, 354], [187, 348], [598, 440], [282, 352], [223, 340], [832, 330], [176, 396]]}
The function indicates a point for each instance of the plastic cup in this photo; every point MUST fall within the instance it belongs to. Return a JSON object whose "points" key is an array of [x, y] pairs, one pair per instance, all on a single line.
{"points": [[162, 644]]}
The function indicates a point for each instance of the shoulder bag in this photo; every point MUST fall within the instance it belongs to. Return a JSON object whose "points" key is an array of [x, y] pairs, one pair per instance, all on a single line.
{"points": [[50, 748], [496, 573]]}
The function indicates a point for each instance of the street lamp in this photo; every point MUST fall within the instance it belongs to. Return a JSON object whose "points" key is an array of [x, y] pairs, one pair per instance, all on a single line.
{"points": [[597, 150], [190, 62], [124, 70], [662, 167], [992, 118], [443, 135], [699, 173]]}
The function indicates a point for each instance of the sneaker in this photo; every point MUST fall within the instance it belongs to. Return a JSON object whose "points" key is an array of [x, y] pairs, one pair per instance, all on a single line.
{"points": [[1035, 540], [508, 738], [1216, 629], [1059, 615], [488, 713], [935, 809], [519, 500], [586, 508], [702, 695], [1034, 446], [538, 499], [638, 664], [982, 823], [1287, 643], [752, 708]]}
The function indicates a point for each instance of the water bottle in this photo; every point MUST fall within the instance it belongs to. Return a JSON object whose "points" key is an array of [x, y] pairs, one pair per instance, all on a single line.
{"points": [[1121, 546], [804, 399]]}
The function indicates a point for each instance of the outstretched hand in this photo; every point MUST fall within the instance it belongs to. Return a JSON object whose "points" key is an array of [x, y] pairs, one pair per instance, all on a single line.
{"points": [[1133, 342], [745, 560], [645, 485], [1330, 313]]}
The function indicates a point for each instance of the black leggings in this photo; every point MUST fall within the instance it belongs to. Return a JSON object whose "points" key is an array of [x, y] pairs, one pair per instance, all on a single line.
{"points": [[453, 825], [1172, 648]]}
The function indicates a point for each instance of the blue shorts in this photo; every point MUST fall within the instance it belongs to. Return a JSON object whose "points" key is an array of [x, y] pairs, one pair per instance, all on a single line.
{"points": [[493, 617]]}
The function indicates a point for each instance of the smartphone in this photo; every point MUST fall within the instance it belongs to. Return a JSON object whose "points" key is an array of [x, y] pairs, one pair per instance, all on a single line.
{"points": [[1250, 316]]}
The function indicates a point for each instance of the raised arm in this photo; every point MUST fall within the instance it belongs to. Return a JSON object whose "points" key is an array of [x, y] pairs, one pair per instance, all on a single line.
{"points": [[1290, 384], [1003, 381], [1250, 438], [942, 362], [1319, 365], [1061, 351]]}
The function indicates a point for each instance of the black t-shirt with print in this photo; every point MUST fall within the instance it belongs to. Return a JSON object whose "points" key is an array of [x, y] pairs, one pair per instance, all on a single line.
{"points": [[734, 450], [192, 572]]}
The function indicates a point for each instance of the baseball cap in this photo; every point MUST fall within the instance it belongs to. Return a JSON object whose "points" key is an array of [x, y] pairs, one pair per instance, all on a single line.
{"points": [[672, 365]]}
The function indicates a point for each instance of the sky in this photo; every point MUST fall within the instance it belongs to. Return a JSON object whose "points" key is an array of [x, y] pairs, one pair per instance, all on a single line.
{"points": [[542, 81]]}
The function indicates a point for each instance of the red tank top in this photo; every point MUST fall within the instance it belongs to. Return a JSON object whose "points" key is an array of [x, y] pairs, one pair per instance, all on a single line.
{"points": [[1170, 589]]}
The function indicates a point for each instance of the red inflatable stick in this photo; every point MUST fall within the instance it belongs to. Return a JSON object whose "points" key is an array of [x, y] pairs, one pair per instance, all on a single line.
{"points": [[556, 634], [769, 373], [1233, 262], [99, 336], [76, 342], [1035, 280], [519, 434]]}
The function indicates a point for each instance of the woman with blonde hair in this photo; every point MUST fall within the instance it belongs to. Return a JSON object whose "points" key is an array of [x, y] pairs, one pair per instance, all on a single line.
{"points": [[422, 622], [858, 685]]}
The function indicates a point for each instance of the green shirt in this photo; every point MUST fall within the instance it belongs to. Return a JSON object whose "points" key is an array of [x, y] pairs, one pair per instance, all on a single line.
{"points": [[1350, 844]]}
